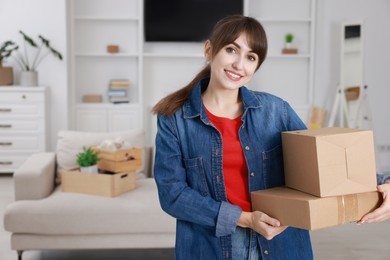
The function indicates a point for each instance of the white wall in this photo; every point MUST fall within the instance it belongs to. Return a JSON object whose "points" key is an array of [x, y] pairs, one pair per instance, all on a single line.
{"points": [[48, 18], [376, 22]]}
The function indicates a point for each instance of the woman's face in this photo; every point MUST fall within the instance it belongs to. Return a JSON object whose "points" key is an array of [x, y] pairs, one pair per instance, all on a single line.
{"points": [[234, 65]]}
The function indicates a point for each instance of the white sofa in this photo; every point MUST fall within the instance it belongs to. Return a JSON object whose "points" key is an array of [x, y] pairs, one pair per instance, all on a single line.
{"points": [[45, 218]]}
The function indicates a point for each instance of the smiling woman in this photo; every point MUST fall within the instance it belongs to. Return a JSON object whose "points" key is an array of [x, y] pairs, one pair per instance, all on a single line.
{"points": [[210, 146]]}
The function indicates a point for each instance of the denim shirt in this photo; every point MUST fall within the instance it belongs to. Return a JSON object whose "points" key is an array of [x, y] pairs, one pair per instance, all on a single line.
{"points": [[189, 175]]}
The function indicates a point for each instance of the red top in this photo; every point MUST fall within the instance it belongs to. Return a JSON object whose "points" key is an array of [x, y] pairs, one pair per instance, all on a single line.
{"points": [[235, 171]]}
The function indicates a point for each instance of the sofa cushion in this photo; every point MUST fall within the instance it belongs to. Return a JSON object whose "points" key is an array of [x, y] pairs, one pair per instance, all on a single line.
{"points": [[66, 213], [70, 143]]}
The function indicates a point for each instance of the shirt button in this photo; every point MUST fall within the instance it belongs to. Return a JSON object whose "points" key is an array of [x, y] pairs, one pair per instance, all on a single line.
{"points": [[252, 174], [247, 148], [266, 252], [242, 126]]}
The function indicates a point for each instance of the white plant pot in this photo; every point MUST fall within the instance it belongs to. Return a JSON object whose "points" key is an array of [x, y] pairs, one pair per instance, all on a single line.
{"points": [[287, 45], [28, 78], [89, 169]]}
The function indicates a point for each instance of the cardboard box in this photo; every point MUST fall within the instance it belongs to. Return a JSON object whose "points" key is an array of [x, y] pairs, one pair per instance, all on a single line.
{"points": [[329, 161], [298, 209], [112, 48], [289, 51], [120, 160], [119, 166], [92, 99], [109, 185], [120, 155]]}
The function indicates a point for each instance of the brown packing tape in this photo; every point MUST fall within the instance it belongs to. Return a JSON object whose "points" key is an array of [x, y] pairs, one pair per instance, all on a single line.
{"points": [[347, 208]]}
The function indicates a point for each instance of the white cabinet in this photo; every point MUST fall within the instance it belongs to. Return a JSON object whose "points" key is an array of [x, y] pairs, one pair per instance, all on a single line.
{"points": [[107, 117], [95, 24], [22, 125]]}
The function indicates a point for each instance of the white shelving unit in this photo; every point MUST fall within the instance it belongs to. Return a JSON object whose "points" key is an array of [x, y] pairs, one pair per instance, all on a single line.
{"points": [[94, 25], [289, 76], [157, 69]]}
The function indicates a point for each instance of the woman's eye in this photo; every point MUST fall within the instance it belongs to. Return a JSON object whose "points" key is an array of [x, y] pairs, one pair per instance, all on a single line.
{"points": [[252, 58], [230, 50]]}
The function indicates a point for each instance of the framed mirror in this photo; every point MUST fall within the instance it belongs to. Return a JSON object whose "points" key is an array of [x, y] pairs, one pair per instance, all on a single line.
{"points": [[350, 91]]}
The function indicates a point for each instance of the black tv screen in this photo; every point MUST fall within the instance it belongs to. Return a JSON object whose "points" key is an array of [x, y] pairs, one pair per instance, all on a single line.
{"points": [[185, 20], [352, 31]]}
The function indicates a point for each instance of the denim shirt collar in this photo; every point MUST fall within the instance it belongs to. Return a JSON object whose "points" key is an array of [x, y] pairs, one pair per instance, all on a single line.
{"points": [[193, 107]]}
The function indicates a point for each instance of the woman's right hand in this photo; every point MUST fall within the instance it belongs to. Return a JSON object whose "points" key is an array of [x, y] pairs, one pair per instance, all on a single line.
{"points": [[261, 223]]}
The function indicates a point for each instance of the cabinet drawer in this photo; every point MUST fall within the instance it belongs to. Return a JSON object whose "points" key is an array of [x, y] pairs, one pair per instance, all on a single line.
{"points": [[11, 163], [20, 125], [13, 143], [21, 110], [21, 97]]}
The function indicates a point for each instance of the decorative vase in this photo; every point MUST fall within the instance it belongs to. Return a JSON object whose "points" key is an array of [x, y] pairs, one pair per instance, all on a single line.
{"points": [[29, 78], [6, 76], [89, 169]]}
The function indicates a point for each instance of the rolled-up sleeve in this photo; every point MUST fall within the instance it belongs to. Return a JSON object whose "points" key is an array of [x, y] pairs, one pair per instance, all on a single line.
{"points": [[381, 178], [227, 219]]}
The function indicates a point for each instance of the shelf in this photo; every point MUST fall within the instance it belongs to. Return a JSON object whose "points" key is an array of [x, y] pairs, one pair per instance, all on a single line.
{"points": [[174, 55], [107, 105], [106, 18], [289, 56], [107, 55], [275, 20]]}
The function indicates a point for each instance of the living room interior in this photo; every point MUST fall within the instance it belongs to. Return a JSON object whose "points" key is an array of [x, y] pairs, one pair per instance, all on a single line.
{"points": [[104, 42]]}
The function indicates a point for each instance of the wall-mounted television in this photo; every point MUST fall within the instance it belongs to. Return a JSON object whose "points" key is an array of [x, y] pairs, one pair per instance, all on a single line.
{"points": [[185, 20]]}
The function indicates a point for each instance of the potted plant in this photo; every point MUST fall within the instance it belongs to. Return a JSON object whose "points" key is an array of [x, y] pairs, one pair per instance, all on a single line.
{"points": [[288, 39], [87, 160], [6, 73], [29, 75]]}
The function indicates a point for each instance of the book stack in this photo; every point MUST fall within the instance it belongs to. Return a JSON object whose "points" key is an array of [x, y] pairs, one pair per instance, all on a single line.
{"points": [[117, 91]]}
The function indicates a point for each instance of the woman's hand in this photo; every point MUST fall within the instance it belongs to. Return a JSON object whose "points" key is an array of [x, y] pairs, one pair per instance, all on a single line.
{"points": [[383, 212], [261, 223]]}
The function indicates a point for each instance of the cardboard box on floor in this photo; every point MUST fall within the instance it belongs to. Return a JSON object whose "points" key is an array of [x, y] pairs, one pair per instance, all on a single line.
{"points": [[108, 185], [329, 161], [301, 210]]}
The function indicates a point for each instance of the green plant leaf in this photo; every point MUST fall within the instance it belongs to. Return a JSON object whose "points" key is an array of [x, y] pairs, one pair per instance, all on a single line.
{"points": [[46, 42], [289, 37], [28, 39], [6, 49], [56, 53]]}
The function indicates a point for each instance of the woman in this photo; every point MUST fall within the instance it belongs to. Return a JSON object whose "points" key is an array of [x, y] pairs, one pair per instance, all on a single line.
{"points": [[217, 141]]}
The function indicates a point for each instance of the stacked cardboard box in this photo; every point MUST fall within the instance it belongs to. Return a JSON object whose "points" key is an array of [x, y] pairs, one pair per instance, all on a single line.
{"points": [[103, 184], [120, 160], [330, 176], [119, 174]]}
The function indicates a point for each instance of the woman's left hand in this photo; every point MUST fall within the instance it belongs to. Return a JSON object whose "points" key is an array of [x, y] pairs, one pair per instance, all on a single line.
{"points": [[383, 212]]}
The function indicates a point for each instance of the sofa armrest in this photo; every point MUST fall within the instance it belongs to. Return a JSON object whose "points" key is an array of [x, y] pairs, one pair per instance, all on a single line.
{"points": [[35, 177]]}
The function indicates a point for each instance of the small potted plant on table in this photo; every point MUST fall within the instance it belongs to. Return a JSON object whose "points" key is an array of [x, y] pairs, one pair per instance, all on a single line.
{"points": [[87, 160]]}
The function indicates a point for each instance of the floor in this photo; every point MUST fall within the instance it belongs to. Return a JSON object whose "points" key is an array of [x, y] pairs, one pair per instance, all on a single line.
{"points": [[339, 243]]}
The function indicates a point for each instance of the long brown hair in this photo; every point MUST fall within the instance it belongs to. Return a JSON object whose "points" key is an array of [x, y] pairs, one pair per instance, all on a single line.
{"points": [[225, 31]]}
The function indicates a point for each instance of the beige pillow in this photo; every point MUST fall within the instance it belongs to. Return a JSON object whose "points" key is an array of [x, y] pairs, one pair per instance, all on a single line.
{"points": [[70, 143]]}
